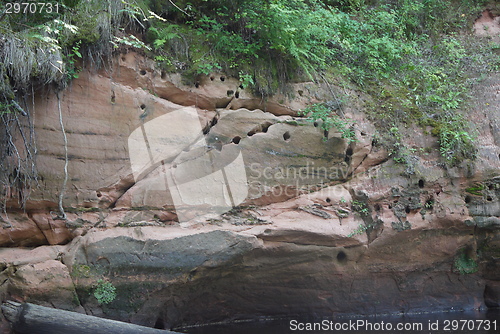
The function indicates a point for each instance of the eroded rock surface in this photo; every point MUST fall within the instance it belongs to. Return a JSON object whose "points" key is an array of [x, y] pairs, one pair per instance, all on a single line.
{"points": [[326, 226]]}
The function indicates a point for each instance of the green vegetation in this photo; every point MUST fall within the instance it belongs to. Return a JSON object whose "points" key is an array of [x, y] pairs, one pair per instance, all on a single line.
{"points": [[360, 207], [328, 119], [464, 264], [414, 58], [476, 189], [80, 271], [410, 56], [105, 292], [362, 228]]}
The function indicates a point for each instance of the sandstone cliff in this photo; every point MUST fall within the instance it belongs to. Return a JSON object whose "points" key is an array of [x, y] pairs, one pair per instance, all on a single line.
{"points": [[326, 226]]}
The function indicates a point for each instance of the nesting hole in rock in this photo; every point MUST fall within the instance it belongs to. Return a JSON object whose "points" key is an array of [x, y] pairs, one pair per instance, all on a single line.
{"points": [[163, 75], [407, 209], [214, 121], [222, 78], [197, 84], [159, 324], [377, 207], [237, 94], [143, 72], [489, 198], [389, 206], [315, 124], [342, 257], [241, 86], [348, 152], [328, 200], [347, 159], [124, 59], [363, 133], [230, 92], [143, 106], [113, 98], [301, 92], [421, 183], [396, 201], [212, 78], [286, 136], [99, 194], [491, 187], [236, 140], [325, 133], [467, 199], [266, 126], [251, 133]]}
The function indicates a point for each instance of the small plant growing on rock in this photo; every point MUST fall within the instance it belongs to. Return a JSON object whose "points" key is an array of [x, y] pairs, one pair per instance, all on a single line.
{"points": [[329, 119], [464, 264], [360, 230], [361, 208], [105, 292]]}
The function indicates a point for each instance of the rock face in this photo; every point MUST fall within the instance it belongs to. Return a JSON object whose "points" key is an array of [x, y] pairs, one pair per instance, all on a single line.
{"points": [[321, 226]]}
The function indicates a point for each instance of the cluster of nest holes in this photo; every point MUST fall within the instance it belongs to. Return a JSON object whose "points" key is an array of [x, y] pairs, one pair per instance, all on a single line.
{"points": [[262, 128], [221, 78], [348, 155], [342, 257], [231, 92], [395, 202], [468, 199], [286, 136]]}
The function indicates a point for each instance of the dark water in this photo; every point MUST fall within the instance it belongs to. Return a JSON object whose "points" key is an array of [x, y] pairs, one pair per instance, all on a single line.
{"points": [[475, 322]]}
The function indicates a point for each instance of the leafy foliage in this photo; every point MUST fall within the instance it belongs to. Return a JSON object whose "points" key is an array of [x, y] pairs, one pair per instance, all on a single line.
{"points": [[407, 54], [455, 143], [465, 264], [329, 119], [105, 292]]}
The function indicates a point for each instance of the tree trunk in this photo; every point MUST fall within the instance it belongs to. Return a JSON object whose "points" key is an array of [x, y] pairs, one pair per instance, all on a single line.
{"points": [[33, 319]]}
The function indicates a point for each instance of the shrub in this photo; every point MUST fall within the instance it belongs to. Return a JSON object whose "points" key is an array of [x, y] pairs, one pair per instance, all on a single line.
{"points": [[328, 119], [464, 264], [105, 292]]}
